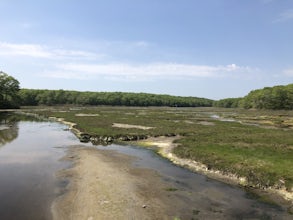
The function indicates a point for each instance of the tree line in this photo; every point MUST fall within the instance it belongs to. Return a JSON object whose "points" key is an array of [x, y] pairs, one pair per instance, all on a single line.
{"points": [[275, 98], [11, 96], [31, 97]]}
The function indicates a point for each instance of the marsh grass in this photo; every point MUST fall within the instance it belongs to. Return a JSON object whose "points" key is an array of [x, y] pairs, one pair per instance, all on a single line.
{"points": [[255, 145]]}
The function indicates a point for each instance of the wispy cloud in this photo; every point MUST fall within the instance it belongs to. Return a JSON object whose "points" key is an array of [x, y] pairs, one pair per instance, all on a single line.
{"points": [[40, 51], [284, 16], [82, 64], [288, 72], [32, 50], [145, 71]]}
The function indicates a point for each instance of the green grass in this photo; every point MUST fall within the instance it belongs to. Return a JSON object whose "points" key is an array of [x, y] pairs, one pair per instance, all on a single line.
{"points": [[263, 154]]}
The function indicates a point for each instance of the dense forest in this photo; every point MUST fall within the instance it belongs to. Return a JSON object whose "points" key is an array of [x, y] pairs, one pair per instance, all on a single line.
{"points": [[11, 96], [277, 97], [30, 97]]}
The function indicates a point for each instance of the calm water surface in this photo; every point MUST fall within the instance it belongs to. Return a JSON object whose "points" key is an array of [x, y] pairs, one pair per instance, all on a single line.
{"points": [[30, 154]]}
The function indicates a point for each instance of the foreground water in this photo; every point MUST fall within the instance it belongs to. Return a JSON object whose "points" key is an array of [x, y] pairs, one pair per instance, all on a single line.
{"points": [[30, 154], [197, 197]]}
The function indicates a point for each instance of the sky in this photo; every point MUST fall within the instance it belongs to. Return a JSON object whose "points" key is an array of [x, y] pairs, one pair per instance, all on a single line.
{"points": [[203, 48]]}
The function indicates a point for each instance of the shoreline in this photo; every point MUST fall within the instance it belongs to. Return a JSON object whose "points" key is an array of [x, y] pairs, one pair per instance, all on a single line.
{"points": [[105, 185], [165, 147]]}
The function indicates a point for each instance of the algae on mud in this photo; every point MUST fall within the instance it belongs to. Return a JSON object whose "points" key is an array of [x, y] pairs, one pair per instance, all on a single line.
{"points": [[253, 144]]}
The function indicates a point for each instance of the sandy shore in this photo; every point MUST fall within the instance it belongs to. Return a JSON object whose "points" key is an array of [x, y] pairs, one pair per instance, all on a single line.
{"points": [[104, 185]]}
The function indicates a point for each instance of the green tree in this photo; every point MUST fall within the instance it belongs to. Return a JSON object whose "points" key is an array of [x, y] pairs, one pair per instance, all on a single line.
{"points": [[277, 97], [228, 103], [9, 88]]}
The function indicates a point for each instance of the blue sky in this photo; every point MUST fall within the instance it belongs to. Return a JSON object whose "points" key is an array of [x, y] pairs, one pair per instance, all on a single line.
{"points": [[206, 48]]}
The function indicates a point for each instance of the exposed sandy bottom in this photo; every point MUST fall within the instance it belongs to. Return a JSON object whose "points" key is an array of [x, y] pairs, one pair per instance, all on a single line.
{"points": [[118, 125], [103, 185]]}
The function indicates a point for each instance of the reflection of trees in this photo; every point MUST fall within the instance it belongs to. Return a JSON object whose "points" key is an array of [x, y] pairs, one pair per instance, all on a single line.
{"points": [[9, 125], [8, 134], [8, 128]]}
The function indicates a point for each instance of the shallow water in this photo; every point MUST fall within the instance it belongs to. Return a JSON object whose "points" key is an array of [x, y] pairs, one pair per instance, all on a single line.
{"points": [[197, 197], [30, 155]]}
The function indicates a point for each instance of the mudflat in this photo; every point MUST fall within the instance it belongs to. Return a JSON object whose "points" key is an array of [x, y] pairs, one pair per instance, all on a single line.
{"points": [[103, 185], [107, 184]]}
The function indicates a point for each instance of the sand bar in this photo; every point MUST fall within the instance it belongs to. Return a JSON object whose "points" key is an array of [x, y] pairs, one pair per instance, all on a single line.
{"points": [[103, 185]]}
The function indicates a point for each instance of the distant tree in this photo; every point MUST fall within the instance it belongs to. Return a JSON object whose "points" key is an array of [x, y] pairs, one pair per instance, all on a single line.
{"points": [[228, 103], [277, 97], [9, 88], [59, 97]]}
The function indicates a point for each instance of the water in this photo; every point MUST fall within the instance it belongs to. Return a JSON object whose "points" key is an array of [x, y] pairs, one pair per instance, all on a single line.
{"points": [[30, 154], [199, 197]]}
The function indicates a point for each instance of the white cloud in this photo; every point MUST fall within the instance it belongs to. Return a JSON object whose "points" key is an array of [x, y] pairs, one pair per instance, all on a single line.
{"points": [[31, 50], [82, 65], [40, 51], [288, 72], [125, 71], [285, 16]]}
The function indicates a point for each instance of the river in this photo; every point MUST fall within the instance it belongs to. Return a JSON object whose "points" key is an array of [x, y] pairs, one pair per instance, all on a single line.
{"points": [[31, 153]]}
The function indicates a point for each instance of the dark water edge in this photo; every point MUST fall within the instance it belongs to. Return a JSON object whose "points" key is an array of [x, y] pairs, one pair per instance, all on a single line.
{"points": [[30, 153], [196, 196]]}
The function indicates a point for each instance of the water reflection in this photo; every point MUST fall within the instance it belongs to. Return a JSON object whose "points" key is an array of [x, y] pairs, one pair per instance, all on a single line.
{"points": [[29, 159], [8, 128], [9, 125]]}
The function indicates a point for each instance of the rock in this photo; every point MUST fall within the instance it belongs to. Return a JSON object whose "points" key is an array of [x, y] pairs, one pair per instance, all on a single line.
{"points": [[170, 135], [123, 138], [110, 139], [84, 137], [144, 206]]}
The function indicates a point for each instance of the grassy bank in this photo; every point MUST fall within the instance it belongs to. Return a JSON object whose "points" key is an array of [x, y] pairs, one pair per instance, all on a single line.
{"points": [[257, 145]]}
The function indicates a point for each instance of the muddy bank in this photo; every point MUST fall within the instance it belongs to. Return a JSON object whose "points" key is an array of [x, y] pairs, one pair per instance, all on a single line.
{"points": [[166, 145], [136, 184], [103, 185]]}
